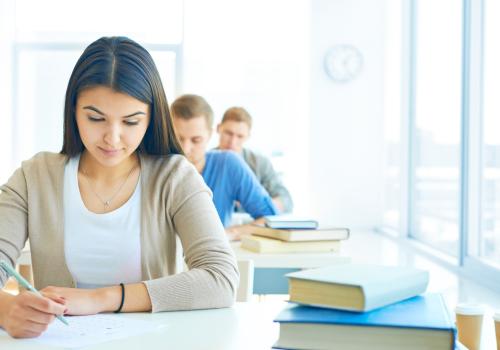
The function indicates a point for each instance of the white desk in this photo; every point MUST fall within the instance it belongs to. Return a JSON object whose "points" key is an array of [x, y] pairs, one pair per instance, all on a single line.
{"points": [[244, 326], [289, 260], [270, 268]]}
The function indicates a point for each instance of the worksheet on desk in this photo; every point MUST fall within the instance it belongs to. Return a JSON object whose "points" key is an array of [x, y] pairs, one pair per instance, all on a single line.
{"points": [[90, 330]]}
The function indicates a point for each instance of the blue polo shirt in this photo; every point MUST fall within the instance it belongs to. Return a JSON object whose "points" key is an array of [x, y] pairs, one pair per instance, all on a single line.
{"points": [[230, 180]]}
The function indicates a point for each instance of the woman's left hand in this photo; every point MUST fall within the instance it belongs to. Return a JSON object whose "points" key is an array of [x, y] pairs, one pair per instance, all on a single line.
{"points": [[78, 301]]}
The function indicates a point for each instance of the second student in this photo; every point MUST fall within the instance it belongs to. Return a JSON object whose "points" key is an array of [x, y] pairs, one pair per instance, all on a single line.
{"points": [[225, 173]]}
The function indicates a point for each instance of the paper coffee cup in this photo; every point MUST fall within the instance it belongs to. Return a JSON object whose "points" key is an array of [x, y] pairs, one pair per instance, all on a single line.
{"points": [[496, 317], [469, 324]]}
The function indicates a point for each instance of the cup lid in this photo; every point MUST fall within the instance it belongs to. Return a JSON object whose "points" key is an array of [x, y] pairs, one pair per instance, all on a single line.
{"points": [[469, 309], [496, 315]]}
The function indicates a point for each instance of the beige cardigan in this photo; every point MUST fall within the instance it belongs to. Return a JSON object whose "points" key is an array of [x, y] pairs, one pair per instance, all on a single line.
{"points": [[175, 201]]}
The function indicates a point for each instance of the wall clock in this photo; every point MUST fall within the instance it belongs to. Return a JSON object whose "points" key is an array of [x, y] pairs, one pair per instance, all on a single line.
{"points": [[343, 63]]}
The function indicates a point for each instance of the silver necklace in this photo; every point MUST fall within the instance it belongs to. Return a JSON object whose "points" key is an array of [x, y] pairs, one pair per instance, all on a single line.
{"points": [[107, 202]]}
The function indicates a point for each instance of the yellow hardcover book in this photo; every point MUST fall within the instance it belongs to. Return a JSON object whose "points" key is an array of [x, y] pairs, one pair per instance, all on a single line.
{"points": [[300, 235], [269, 245], [356, 287]]}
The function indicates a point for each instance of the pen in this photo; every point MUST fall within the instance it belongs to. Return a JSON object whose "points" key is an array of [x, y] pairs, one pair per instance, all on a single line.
{"points": [[11, 272]]}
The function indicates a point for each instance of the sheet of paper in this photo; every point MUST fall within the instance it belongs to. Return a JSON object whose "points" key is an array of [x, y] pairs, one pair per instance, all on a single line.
{"points": [[90, 330]]}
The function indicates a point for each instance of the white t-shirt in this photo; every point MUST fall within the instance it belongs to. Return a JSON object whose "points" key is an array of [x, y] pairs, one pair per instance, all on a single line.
{"points": [[101, 249]]}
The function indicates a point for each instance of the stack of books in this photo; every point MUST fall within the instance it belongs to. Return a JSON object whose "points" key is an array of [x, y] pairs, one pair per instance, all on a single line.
{"points": [[354, 307], [287, 234]]}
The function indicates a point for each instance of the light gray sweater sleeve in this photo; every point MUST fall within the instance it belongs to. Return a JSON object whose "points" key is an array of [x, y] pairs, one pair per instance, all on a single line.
{"points": [[271, 181], [13, 220], [213, 277]]}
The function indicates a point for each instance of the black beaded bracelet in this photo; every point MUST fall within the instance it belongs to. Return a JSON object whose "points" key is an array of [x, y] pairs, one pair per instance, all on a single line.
{"points": [[123, 299]]}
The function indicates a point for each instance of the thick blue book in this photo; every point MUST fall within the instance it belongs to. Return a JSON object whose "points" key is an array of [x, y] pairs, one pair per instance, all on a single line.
{"points": [[421, 322]]}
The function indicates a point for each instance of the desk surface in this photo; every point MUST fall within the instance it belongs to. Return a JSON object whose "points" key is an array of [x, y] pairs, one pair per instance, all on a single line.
{"points": [[289, 260], [244, 326]]}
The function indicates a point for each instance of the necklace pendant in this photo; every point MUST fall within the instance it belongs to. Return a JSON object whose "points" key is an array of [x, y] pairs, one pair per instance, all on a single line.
{"points": [[106, 204]]}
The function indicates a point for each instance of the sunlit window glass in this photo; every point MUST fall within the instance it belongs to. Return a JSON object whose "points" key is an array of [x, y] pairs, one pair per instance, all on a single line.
{"points": [[392, 115], [436, 155], [489, 239]]}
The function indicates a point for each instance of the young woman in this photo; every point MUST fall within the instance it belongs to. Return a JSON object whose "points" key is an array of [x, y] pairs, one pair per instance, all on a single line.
{"points": [[102, 216]]}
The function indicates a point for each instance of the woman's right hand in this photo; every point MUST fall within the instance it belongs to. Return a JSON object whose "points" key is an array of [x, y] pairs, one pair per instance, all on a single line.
{"points": [[28, 315]]}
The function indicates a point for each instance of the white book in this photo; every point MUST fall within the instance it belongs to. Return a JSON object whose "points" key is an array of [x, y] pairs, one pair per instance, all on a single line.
{"points": [[288, 221]]}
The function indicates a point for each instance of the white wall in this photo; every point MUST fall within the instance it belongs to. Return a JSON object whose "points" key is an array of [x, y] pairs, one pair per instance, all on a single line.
{"points": [[268, 57], [255, 54], [346, 130]]}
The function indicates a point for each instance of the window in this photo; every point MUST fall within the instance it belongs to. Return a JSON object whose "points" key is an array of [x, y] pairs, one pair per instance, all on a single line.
{"points": [[41, 77], [449, 95], [392, 115], [437, 121]]}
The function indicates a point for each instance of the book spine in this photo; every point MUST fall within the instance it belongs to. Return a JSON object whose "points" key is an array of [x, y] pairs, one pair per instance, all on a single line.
{"points": [[451, 323]]}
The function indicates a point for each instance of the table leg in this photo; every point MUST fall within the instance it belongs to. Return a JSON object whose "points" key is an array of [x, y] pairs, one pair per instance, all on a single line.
{"points": [[271, 280]]}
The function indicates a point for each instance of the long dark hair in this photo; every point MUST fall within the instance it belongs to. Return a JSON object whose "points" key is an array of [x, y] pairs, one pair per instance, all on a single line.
{"points": [[124, 66]]}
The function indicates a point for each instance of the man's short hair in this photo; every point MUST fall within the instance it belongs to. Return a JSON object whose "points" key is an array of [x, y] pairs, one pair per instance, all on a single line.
{"points": [[191, 106], [237, 114]]}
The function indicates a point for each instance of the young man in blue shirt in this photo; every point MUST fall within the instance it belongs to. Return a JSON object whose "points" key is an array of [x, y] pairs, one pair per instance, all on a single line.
{"points": [[225, 172]]}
